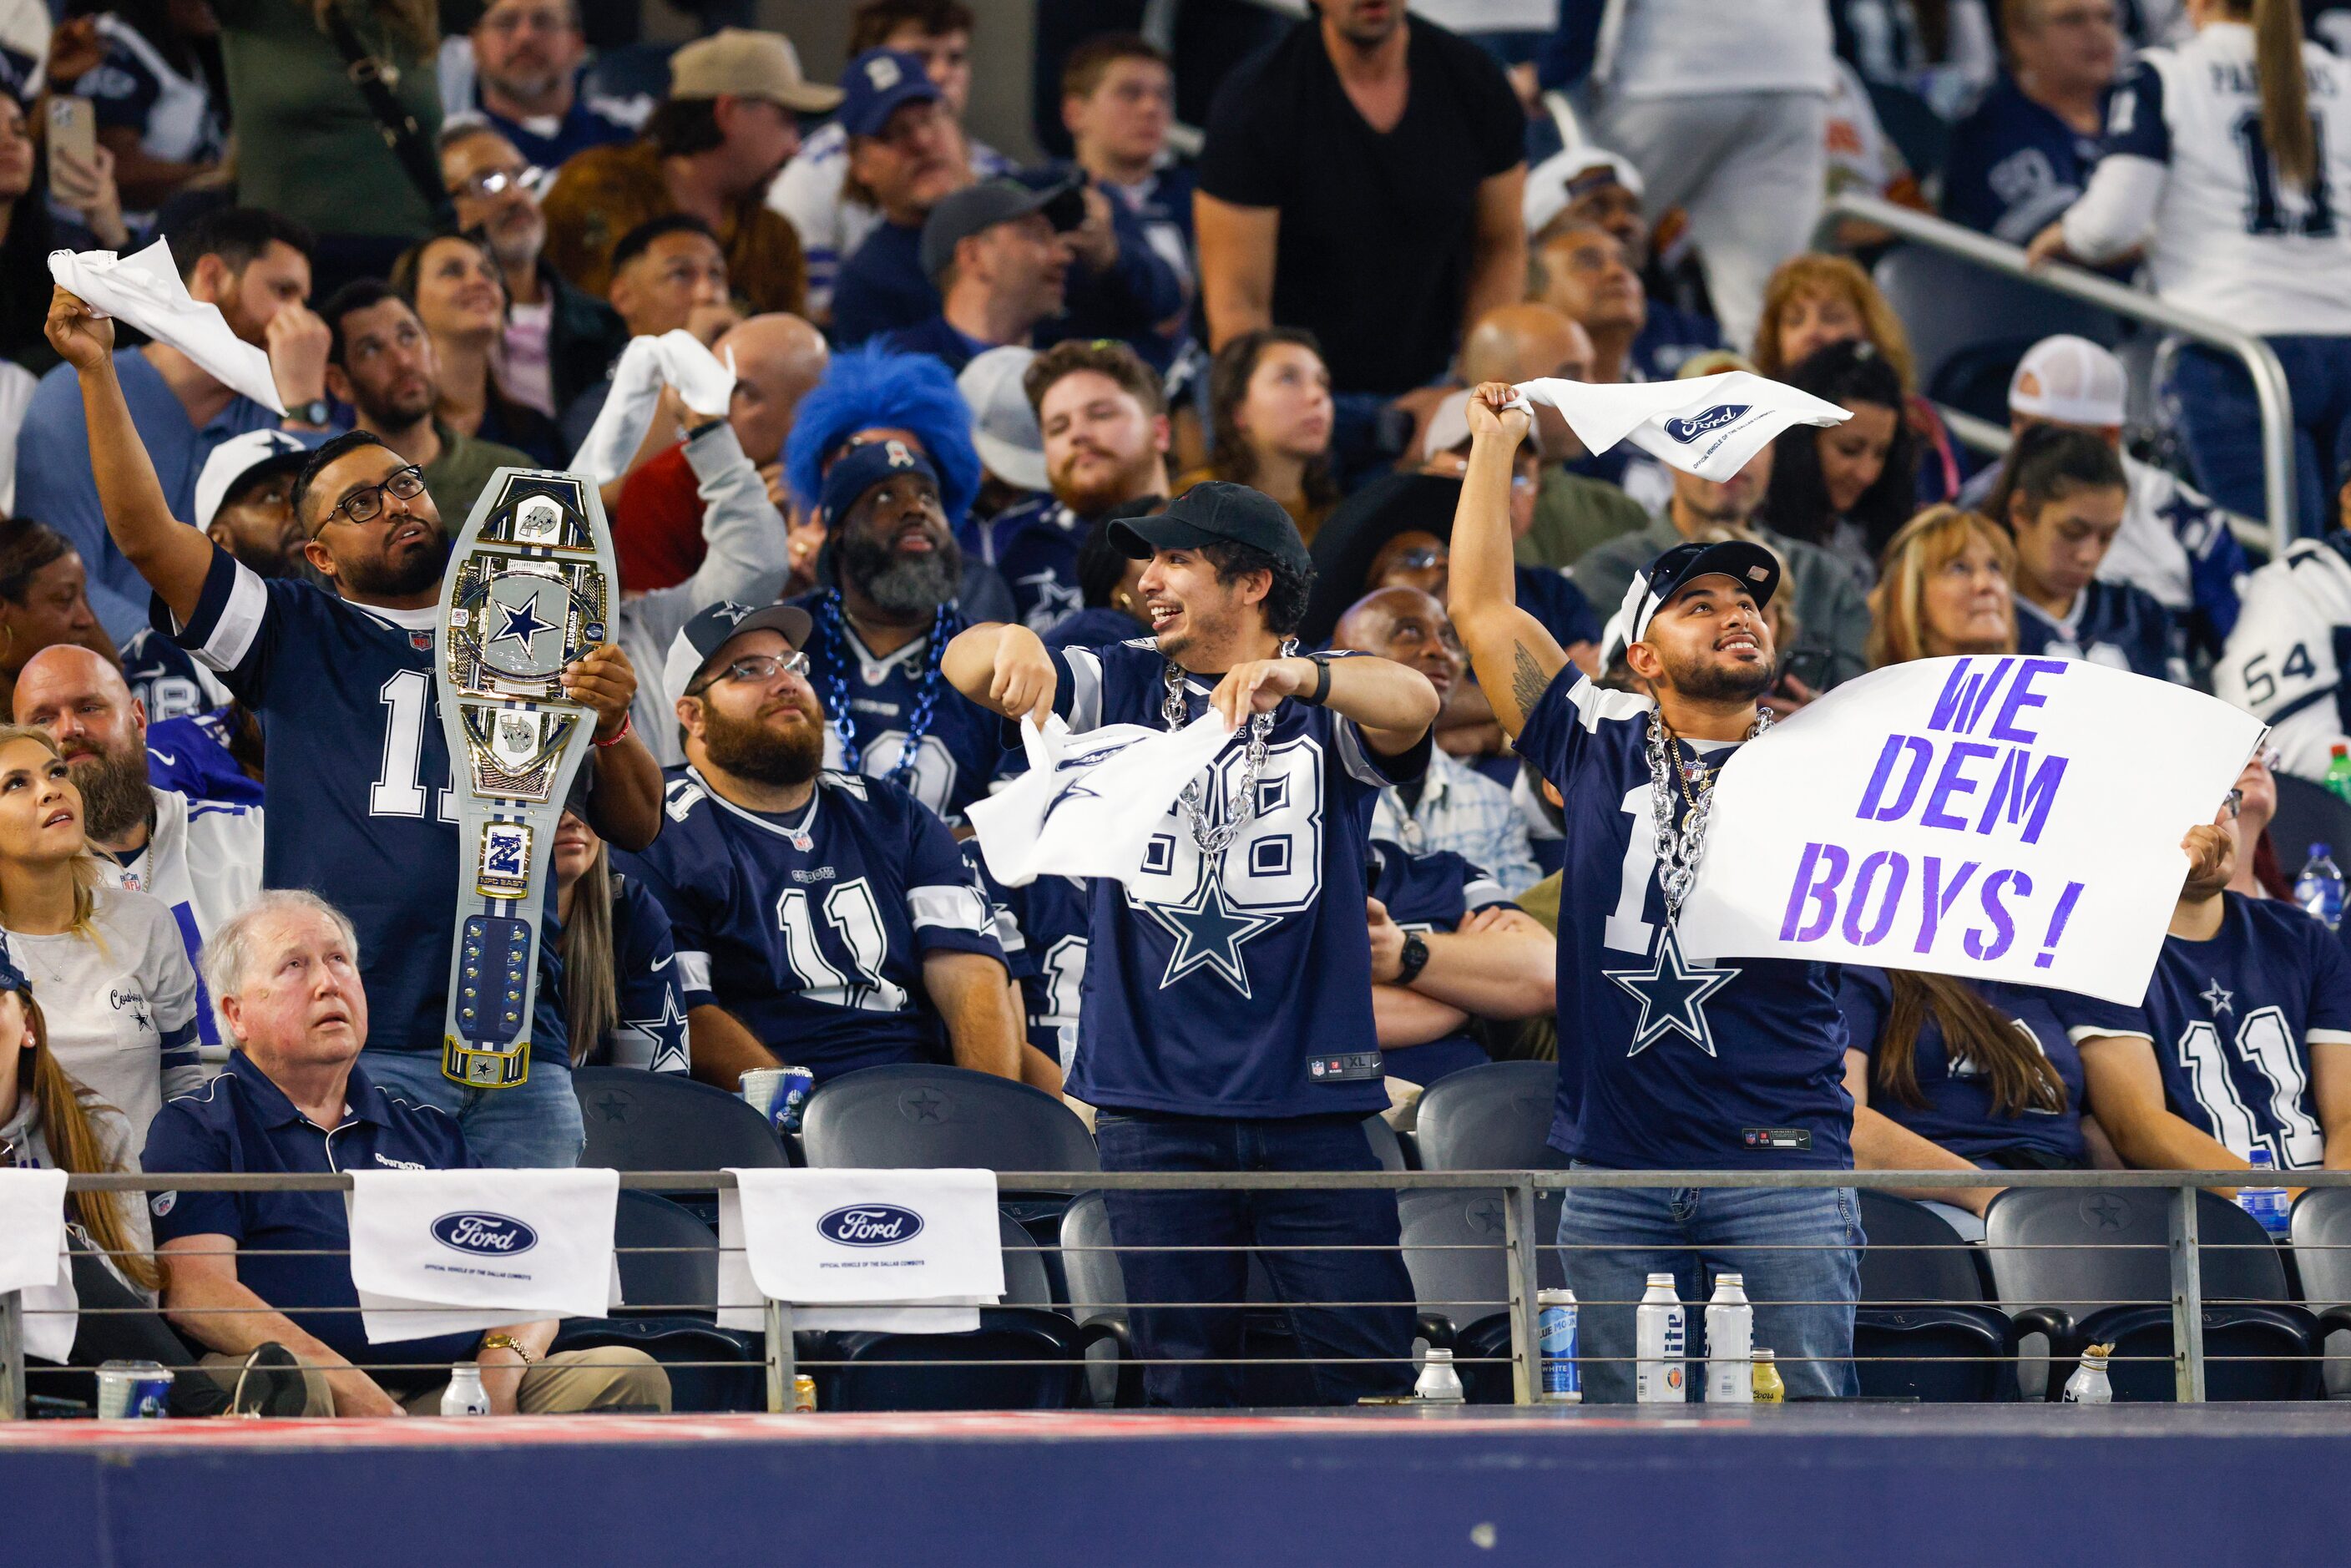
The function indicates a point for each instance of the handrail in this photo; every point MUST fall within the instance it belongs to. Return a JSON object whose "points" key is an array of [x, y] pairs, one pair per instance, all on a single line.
{"points": [[2058, 277]]}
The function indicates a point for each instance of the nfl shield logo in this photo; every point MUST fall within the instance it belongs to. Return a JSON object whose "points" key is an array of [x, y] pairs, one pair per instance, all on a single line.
{"points": [[420, 641]]}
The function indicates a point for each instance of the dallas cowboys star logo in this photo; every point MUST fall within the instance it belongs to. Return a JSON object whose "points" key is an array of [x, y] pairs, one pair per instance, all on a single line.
{"points": [[1080, 788], [522, 622], [1055, 602], [1672, 992], [1208, 931], [2219, 1000], [665, 1032]]}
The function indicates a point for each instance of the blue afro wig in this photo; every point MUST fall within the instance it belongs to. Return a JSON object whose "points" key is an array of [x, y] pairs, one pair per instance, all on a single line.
{"points": [[866, 389]]}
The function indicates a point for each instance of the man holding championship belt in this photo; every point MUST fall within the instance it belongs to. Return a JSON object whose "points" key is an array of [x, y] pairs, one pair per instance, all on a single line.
{"points": [[361, 808]]}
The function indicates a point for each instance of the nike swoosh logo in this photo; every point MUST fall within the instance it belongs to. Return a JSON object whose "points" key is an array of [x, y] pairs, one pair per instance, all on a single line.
{"points": [[663, 964], [165, 758]]}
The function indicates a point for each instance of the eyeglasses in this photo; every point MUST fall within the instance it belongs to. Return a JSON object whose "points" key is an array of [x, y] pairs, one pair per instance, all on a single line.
{"points": [[366, 504], [497, 182], [2232, 802], [1422, 560], [757, 669]]}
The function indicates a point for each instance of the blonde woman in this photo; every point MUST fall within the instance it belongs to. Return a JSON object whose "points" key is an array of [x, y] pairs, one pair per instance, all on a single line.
{"points": [[119, 996], [1945, 585]]}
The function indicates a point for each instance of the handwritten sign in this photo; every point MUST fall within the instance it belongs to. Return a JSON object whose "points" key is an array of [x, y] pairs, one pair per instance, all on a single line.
{"points": [[2003, 819]]}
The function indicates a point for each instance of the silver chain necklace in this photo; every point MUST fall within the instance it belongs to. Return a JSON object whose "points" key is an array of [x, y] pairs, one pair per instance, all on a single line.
{"points": [[1241, 808], [1679, 848]]}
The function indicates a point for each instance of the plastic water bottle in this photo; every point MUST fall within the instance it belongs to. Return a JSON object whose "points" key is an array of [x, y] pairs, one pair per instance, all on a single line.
{"points": [[1440, 1382], [2266, 1204], [2088, 1386], [2319, 888], [1660, 1326], [2338, 771], [1729, 1344], [465, 1395]]}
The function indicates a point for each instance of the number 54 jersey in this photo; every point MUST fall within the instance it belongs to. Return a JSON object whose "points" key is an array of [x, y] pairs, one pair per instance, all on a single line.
{"points": [[2238, 1020], [811, 929]]}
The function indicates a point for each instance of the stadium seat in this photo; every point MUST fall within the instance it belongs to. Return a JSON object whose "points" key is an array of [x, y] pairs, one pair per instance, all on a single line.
{"points": [[2307, 814], [1097, 1298], [1453, 1248], [2322, 1253], [1923, 1302], [1024, 1355], [1490, 1118], [1969, 326], [639, 1120], [1386, 1145], [917, 1117], [2062, 1256], [669, 1297]]}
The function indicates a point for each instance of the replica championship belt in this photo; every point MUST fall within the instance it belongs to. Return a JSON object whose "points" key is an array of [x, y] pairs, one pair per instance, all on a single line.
{"points": [[529, 590]]}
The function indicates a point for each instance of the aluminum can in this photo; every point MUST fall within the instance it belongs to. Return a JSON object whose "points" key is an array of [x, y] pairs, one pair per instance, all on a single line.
{"points": [[1556, 1315]]}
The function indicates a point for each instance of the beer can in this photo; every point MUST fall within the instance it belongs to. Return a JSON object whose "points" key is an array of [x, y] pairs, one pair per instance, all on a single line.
{"points": [[803, 1394], [133, 1390], [1562, 1379], [779, 1094]]}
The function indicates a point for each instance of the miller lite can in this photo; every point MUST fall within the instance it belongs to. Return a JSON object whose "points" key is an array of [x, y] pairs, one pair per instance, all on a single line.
{"points": [[1563, 1380]]}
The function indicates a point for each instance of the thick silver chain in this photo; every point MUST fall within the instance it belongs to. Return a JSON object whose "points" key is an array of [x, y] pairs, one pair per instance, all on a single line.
{"points": [[1679, 848], [1241, 808]]}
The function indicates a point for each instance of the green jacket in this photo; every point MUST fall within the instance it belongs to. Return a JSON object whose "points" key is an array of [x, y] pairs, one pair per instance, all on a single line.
{"points": [[1572, 514], [460, 473]]}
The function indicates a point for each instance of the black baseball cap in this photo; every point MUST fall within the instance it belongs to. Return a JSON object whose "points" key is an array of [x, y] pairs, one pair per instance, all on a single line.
{"points": [[1215, 511], [1747, 564], [992, 201]]}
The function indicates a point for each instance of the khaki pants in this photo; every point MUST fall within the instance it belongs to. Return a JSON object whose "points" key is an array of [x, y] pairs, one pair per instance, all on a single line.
{"points": [[614, 1377]]}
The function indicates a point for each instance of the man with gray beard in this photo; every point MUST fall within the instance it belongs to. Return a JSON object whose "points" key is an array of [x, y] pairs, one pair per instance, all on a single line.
{"points": [[881, 628], [201, 858]]}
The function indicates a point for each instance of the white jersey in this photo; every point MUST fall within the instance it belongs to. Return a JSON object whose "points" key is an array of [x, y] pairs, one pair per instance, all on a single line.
{"points": [[1700, 48], [831, 225], [2227, 237], [2285, 663], [202, 859]]}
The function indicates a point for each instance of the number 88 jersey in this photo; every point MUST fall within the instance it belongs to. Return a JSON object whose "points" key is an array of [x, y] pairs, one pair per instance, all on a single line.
{"points": [[2237, 1021]]}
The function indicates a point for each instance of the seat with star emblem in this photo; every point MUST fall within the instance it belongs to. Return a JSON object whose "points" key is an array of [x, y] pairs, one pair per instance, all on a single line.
{"points": [[2090, 1265], [913, 1116], [1460, 1276], [640, 1121], [1492, 1118]]}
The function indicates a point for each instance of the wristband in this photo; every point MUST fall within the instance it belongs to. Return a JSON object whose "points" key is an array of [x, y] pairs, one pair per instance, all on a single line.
{"points": [[620, 734], [1322, 691]]}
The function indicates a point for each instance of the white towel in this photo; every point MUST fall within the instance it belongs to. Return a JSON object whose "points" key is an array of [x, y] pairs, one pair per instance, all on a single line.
{"points": [[477, 1249], [1090, 803], [144, 290], [675, 359], [918, 1249], [1707, 425], [33, 1259]]}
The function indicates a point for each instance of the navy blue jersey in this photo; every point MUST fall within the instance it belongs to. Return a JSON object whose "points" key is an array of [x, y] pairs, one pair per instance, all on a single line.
{"points": [[1959, 1114], [962, 744], [1095, 626], [1043, 928], [2113, 623], [649, 1031], [1033, 545], [191, 755], [1209, 983], [2233, 1019], [360, 808], [1667, 1062], [812, 933], [2014, 166], [163, 675], [1433, 892]]}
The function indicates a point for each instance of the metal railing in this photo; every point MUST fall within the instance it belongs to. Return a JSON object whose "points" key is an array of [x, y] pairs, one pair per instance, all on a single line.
{"points": [[1521, 1243], [1997, 256]]}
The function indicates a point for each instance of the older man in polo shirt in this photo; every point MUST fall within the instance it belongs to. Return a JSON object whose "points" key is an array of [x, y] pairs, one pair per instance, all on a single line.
{"points": [[240, 1269]]}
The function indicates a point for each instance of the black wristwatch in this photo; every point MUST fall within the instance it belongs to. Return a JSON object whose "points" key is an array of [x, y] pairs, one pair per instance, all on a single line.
{"points": [[317, 412], [1315, 698], [1415, 958]]}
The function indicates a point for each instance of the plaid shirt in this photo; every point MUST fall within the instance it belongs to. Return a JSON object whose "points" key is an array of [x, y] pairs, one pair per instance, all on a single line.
{"points": [[1462, 810]]}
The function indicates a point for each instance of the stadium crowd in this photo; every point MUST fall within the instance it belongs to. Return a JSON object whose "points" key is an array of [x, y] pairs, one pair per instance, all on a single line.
{"points": [[1124, 434]]}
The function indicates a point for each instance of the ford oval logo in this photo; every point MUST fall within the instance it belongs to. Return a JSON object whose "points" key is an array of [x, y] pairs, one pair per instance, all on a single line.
{"points": [[496, 1235], [871, 1225], [1690, 429]]}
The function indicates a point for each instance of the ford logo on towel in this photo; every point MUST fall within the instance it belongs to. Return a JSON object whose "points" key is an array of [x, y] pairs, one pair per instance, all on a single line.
{"points": [[479, 1233], [871, 1225], [1690, 429]]}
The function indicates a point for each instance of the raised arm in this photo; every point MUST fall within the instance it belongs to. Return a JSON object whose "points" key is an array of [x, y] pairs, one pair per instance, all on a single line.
{"points": [[1514, 657], [1003, 668], [172, 557]]}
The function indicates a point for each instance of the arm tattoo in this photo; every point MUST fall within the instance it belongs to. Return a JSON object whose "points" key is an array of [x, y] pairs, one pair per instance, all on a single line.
{"points": [[1527, 681]]}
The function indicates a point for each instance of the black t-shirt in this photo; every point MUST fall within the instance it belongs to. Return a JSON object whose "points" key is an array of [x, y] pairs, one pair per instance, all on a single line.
{"points": [[1375, 237]]}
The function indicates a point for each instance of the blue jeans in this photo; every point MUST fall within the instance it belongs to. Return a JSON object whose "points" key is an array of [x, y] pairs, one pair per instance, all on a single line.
{"points": [[1209, 1337], [1803, 1295], [2222, 424], [535, 1124]]}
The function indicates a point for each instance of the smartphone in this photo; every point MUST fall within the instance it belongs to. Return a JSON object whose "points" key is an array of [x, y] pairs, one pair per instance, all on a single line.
{"points": [[1810, 665], [73, 128]]}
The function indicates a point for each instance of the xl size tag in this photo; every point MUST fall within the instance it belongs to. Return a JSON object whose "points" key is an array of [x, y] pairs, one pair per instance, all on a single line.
{"points": [[1347, 1067], [1776, 1138]]}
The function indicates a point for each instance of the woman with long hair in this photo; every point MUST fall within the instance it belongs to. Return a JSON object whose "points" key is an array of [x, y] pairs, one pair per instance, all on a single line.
{"points": [[119, 994], [621, 994], [2062, 494], [1846, 487], [1945, 585], [1814, 300], [1269, 417], [2227, 162], [454, 282]]}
